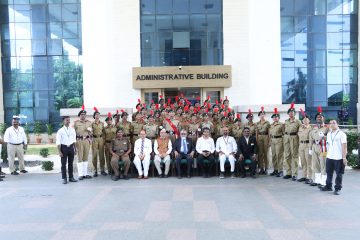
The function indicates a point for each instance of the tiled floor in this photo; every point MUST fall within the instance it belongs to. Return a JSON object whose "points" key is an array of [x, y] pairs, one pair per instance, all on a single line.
{"points": [[38, 206]]}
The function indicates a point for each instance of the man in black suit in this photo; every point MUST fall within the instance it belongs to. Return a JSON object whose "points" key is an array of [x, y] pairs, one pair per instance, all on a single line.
{"points": [[184, 149], [247, 149]]}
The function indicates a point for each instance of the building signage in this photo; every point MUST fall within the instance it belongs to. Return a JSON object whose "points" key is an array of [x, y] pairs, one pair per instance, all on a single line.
{"points": [[187, 76]]}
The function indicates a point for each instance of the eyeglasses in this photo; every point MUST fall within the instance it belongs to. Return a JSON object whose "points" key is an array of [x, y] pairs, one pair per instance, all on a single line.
{"points": [[182, 133]]}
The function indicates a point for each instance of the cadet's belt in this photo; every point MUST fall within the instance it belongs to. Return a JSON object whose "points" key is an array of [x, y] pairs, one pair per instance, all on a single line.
{"points": [[96, 136], [291, 134], [263, 133], [81, 137], [108, 141], [276, 136], [307, 141]]}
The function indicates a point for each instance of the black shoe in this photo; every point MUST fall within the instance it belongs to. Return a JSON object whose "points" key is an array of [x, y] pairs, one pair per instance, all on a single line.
{"points": [[308, 181], [64, 181], [326, 189], [95, 174], [104, 173], [274, 173], [302, 179], [126, 177], [320, 186], [253, 176], [165, 176], [204, 175], [222, 176], [337, 192], [179, 177], [115, 178], [313, 184], [243, 176], [280, 174], [81, 178], [286, 176], [14, 173], [293, 178], [88, 176], [72, 180], [23, 171]]}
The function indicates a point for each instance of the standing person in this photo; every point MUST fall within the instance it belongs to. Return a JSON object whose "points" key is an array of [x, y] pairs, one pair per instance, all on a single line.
{"points": [[15, 138], [237, 128], [262, 138], [97, 145], [276, 132], [171, 125], [304, 136], [205, 147], [120, 148], [184, 149], [248, 151], [336, 157], [291, 145], [250, 124], [162, 150], [65, 141], [318, 149], [83, 132], [142, 151], [109, 134], [226, 147]]}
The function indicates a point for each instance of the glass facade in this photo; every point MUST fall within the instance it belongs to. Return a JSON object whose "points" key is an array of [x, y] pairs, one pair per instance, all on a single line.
{"points": [[181, 32], [41, 58], [319, 47]]}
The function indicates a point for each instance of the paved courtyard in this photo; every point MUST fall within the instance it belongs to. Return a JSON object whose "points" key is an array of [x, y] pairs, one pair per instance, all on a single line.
{"points": [[38, 206]]}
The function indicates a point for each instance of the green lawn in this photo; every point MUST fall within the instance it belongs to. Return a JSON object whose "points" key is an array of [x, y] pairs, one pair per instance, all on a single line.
{"points": [[35, 149]]}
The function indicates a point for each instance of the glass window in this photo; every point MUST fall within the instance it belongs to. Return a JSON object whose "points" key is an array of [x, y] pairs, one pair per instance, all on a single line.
{"points": [[41, 114], [213, 22], [180, 6], [197, 6], [213, 6], [54, 47], [38, 13], [22, 13], [318, 24], [319, 75], [301, 41], [287, 7], [38, 30], [287, 24], [24, 64], [198, 23], [318, 41], [301, 7], [26, 99], [148, 23], [214, 40], [334, 6], [335, 95], [147, 40], [70, 12], [334, 23], [41, 99], [287, 75], [319, 92], [301, 24], [349, 58], [320, 7], [70, 30], [319, 58], [38, 47], [334, 75], [163, 7], [40, 81], [350, 6], [350, 75], [181, 22], [10, 99], [147, 7], [287, 41], [334, 58], [300, 58], [39, 64], [24, 81], [23, 30], [163, 22], [54, 13], [288, 58]]}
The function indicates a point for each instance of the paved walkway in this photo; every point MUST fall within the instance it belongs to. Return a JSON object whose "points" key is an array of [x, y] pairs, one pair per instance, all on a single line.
{"points": [[37, 206]]}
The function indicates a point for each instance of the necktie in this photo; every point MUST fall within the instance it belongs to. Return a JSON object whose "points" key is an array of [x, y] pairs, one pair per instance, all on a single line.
{"points": [[185, 146], [142, 147]]}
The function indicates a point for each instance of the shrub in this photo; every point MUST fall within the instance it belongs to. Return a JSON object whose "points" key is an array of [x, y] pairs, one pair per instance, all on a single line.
{"points": [[44, 152], [353, 160], [38, 128], [352, 141], [47, 165]]}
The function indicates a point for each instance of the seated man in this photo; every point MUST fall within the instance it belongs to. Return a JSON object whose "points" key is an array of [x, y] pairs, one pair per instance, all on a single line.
{"points": [[205, 147], [142, 151], [162, 150], [247, 149], [226, 147], [120, 149], [184, 150]]}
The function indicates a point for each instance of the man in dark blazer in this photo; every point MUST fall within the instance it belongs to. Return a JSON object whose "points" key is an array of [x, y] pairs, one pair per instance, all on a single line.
{"points": [[183, 149], [247, 149]]}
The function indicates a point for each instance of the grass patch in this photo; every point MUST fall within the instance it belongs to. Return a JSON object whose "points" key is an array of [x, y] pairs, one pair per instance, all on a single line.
{"points": [[35, 149]]}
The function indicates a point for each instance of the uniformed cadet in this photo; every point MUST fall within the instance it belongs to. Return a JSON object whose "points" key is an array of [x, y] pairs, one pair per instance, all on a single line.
{"points": [[237, 128], [193, 128], [291, 145], [318, 149], [136, 127], [83, 132], [97, 145], [120, 149], [171, 125], [125, 125], [304, 136], [262, 138], [276, 132], [184, 121], [109, 133], [206, 123], [250, 124], [151, 128]]}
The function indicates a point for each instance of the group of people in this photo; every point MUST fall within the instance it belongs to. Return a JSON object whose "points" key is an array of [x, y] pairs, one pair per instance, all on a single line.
{"points": [[201, 134]]}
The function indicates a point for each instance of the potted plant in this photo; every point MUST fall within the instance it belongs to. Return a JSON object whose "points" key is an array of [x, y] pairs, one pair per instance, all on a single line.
{"points": [[50, 130], [38, 131]]}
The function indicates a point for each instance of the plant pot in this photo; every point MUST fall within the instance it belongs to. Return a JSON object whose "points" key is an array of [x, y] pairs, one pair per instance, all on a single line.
{"points": [[38, 140]]}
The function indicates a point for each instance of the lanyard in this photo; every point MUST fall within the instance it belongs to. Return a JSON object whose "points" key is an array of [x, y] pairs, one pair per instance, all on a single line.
{"points": [[333, 138], [67, 131]]}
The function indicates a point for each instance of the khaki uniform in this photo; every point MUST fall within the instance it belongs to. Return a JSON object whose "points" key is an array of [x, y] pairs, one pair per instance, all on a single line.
{"points": [[109, 133], [97, 145], [192, 132], [277, 146], [318, 157], [252, 127], [120, 146], [304, 137], [291, 146], [209, 125], [237, 131], [262, 129], [126, 127], [82, 139], [136, 128], [151, 131]]}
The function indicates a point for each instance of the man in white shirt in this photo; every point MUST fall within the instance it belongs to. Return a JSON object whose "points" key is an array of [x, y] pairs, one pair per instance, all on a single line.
{"points": [[142, 151], [226, 146], [205, 148], [65, 141], [162, 150], [336, 157], [15, 138]]}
